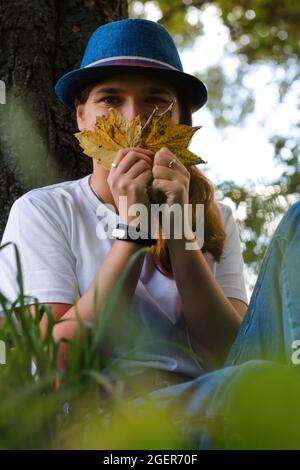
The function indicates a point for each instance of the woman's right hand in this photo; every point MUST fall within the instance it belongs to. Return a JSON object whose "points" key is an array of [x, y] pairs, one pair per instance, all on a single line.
{"points": [[131, 178]]}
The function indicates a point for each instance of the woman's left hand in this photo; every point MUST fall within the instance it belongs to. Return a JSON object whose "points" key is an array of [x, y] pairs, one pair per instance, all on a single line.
{"points": [[170, 184]]}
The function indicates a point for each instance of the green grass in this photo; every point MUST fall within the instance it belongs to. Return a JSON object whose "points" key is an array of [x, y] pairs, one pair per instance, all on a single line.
{"points": [[35, 413], [260, 410]]}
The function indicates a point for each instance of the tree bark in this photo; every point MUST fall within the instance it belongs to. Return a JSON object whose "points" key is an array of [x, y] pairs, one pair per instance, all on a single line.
{"points": [[40, 41]]}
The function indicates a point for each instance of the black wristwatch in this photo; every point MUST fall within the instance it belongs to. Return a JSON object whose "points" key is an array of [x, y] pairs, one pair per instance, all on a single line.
{"points": [[130, 233]]}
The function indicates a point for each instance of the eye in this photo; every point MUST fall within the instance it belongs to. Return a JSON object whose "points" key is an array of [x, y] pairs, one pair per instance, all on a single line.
{"points": [[110, 100]]}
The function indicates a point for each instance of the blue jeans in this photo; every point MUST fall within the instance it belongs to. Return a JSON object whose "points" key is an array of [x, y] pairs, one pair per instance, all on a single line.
{"points": [[272, 320], [264, 340]]}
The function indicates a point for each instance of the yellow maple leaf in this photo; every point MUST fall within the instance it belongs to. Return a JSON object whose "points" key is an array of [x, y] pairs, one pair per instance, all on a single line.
{"points": [[111, 133], [163, 132], [115, 131]]}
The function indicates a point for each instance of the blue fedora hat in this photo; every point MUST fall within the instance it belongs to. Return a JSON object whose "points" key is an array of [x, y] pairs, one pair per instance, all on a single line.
{"points": [[131, 45]]}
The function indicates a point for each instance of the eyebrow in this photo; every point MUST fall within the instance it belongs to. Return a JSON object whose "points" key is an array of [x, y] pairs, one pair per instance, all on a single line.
{"points": [[151, 90]]}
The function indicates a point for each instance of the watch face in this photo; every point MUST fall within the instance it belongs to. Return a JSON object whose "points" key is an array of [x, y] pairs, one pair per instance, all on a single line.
{"points": [[119, 232]]}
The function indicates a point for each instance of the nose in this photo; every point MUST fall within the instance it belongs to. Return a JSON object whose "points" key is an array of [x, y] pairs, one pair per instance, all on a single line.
{"points": [[132, 107]]}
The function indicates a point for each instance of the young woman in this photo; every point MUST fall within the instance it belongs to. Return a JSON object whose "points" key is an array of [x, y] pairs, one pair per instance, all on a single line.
{"points": [[194, 298]]}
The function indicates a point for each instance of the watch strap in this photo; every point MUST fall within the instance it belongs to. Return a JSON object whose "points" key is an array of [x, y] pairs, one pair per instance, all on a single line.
{"points": [[132, 234]]}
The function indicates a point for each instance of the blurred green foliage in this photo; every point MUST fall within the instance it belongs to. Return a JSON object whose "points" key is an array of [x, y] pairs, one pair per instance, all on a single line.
{"points": [[255, 407], [263, 29], [82, 407]]}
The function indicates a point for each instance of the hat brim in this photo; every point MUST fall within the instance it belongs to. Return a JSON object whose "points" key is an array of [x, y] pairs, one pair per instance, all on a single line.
{"points": [[188, 86]]}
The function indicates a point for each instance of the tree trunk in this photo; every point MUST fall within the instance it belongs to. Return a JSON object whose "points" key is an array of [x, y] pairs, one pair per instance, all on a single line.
{"points": [[40, 41]]}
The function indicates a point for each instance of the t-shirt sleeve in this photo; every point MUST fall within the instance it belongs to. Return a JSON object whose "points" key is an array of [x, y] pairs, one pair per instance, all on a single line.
{"points": [[230, 269], [48, 264]]}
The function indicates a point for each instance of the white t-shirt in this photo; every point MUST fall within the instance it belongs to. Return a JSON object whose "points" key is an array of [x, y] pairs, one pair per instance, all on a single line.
{"points": [[56, 229]]}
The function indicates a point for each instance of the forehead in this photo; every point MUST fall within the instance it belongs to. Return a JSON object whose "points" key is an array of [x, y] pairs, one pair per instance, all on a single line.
{"points": [[136, 82]]}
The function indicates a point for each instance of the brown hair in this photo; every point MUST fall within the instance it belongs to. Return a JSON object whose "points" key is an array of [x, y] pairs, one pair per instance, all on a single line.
{"points": [[201, 191]]}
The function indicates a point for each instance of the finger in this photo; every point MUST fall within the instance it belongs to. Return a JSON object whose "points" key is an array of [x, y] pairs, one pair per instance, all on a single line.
{"points": [[145, 178], [137, 168], [162, 185], [120, 155], [146, 151], [164, 156], [122, 152], [163, 172], [131, 158]]}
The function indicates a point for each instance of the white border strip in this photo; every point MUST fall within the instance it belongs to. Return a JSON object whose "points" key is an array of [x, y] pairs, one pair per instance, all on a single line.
{"points": [[124, 57]]}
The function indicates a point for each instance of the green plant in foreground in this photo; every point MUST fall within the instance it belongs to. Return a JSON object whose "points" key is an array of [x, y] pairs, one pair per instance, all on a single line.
{"points": [[87, 409], [258, 408]]}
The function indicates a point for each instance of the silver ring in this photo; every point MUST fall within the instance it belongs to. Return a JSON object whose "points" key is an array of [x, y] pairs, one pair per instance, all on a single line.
{"points": [[114, 165], [171, 163]]}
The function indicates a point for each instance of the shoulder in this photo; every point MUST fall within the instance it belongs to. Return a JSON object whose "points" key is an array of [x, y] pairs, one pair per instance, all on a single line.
{"points": [[53, 199], [64, 191], [225, 209], [226, 212], [51, 205], [231, 226]]}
